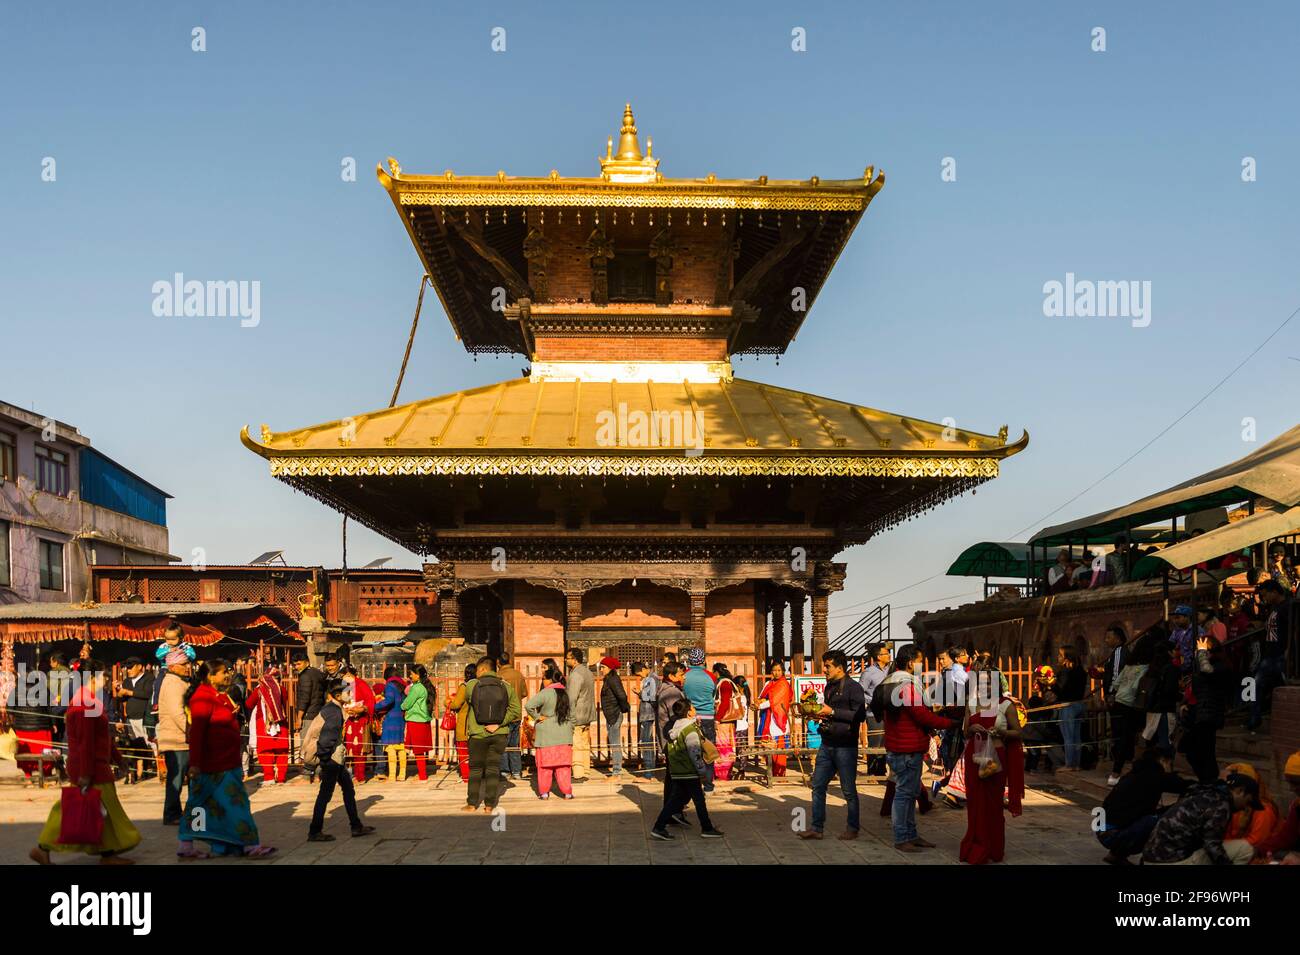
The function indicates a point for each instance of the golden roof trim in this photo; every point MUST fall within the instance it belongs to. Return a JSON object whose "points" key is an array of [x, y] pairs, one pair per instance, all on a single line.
{"points": [[709, 464]]}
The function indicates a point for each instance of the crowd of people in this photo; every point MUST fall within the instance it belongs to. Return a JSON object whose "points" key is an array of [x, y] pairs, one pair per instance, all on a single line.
{"points": [[1167, 691]]}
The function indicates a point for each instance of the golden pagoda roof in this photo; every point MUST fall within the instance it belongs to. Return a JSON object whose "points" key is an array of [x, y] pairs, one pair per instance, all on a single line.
{"points": [[470, 233], [525, 426]]}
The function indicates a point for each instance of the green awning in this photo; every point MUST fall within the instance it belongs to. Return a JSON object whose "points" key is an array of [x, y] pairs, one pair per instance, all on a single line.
{"points": [[993, 559]]}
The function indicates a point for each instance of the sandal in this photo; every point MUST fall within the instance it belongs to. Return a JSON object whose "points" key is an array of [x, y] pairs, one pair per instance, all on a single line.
{"points": [[193, 852], [259, 852]]}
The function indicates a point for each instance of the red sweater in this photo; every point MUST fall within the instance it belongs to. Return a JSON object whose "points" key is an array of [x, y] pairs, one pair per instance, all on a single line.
{"points": [[907, 726], [214, 731], [90, 740]]}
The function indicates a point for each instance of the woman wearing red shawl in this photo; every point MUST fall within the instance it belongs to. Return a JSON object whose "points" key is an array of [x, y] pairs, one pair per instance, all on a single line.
{"points": [[774, 714], [356, 731], [90, 766], [727, 709], [990, 714], [272, 727]]}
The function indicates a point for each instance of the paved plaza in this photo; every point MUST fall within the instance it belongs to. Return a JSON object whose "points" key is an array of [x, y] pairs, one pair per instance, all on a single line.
{"points": [[607, 823]]}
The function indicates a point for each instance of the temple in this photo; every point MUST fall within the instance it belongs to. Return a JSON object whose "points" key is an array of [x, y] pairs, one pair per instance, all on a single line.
{"points": [[629, 494]]}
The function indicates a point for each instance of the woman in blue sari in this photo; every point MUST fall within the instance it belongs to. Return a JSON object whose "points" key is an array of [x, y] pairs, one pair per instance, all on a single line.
{"points": [[217, 811]]}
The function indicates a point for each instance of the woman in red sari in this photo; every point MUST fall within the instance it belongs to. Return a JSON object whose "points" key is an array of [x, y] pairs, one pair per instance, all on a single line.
{"points": [[356, 731], [271, 726], [774, 714], [991, 714]]}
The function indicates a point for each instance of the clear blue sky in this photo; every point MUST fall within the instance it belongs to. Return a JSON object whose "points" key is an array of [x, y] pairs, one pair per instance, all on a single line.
{"points": [[225, 165]]}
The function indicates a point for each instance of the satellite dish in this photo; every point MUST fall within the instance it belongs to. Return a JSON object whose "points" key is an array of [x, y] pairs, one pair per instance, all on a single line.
{"points": [[270, 557]]}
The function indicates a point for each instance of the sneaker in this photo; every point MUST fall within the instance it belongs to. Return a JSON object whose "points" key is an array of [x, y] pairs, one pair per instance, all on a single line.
{"points": [[680, 820], [320, 837], [711, 834], [362, 831], [662, 835], [1112, 779], [543, 795]]}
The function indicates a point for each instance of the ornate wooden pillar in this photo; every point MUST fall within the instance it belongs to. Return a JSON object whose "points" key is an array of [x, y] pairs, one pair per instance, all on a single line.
{"points": [[827, 578], [442, 578], [776, 603], [572, 610], [820, 635], [796, 631], [699, 601]]}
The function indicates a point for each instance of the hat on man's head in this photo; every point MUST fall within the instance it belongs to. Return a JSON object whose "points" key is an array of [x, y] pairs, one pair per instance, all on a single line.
{"points": [[1242, 780], [695, 656], [611, 662], [1185, 610]]}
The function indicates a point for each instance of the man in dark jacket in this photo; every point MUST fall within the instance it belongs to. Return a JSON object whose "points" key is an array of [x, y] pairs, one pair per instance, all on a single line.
{"points": [[844, 707], [133, 697], [614, 706], [670, 691], [1191, 833], [1204, 719], [332, 771], [1132, 809], [1270, 672], [310, 695]]}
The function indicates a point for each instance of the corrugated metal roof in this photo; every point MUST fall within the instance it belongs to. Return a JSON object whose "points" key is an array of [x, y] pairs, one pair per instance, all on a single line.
{"points": [[117, 611]]}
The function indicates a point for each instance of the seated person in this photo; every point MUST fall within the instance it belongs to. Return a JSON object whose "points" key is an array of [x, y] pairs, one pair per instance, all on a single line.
{"points": [[1132, 808], [1192, 831], [1284, 844]]}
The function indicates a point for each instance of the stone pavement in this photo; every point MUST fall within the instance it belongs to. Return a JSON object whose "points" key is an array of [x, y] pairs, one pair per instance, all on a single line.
{"points": [[606, 824]]}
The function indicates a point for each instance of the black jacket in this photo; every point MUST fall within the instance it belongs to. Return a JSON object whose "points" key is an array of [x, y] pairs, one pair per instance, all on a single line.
{"points": [[1110, 671], [331, 732], [1138, 792], [1211, 684], [1071, 685], [1165, 692], [311, 693], [848, 701], [136, 706], [613, 698]]}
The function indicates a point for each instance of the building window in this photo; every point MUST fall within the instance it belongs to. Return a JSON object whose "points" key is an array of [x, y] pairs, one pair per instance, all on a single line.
{"points": [[4, 554], [51, 471], [8, 457], [631, 277], [51, 566]]}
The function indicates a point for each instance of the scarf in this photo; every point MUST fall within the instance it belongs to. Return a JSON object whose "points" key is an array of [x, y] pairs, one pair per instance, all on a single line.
{"points": [[271, 698], [779, 694]]}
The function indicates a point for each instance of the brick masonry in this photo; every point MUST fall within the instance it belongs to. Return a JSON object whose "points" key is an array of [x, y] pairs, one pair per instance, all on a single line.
{"points": [[628, 348]]}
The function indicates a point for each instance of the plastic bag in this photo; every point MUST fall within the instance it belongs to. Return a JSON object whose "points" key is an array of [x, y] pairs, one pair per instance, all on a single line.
{"points": [[81, 817], [985, 756]]}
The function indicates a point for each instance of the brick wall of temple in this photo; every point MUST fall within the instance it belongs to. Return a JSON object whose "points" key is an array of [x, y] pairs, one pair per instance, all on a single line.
{"points": [[645, 605], [628, 348], [695, 266]]}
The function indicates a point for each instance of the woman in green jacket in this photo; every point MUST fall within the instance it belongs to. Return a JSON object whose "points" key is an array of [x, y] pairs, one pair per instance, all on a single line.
{"points": [[552, 735], [420, 702]]}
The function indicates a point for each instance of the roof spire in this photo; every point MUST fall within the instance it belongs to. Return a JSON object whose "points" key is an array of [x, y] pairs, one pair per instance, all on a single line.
{"points": [[629, 148], [628, 164]]}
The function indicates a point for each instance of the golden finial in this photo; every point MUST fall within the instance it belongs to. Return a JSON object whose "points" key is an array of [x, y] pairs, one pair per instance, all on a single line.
{"points": [[628, 164], [266, 435], [394, 166], [628, 146]]}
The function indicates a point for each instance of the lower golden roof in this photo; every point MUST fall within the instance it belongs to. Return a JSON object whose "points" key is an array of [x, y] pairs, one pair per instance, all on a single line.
{"points": [[523, 426]]}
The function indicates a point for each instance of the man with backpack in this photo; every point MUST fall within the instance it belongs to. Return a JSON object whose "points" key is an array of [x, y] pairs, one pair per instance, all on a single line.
{"points": [[493, 706]]}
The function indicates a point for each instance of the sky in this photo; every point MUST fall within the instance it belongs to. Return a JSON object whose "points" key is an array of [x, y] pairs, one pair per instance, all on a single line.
{"points": [[1122, 164]]}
